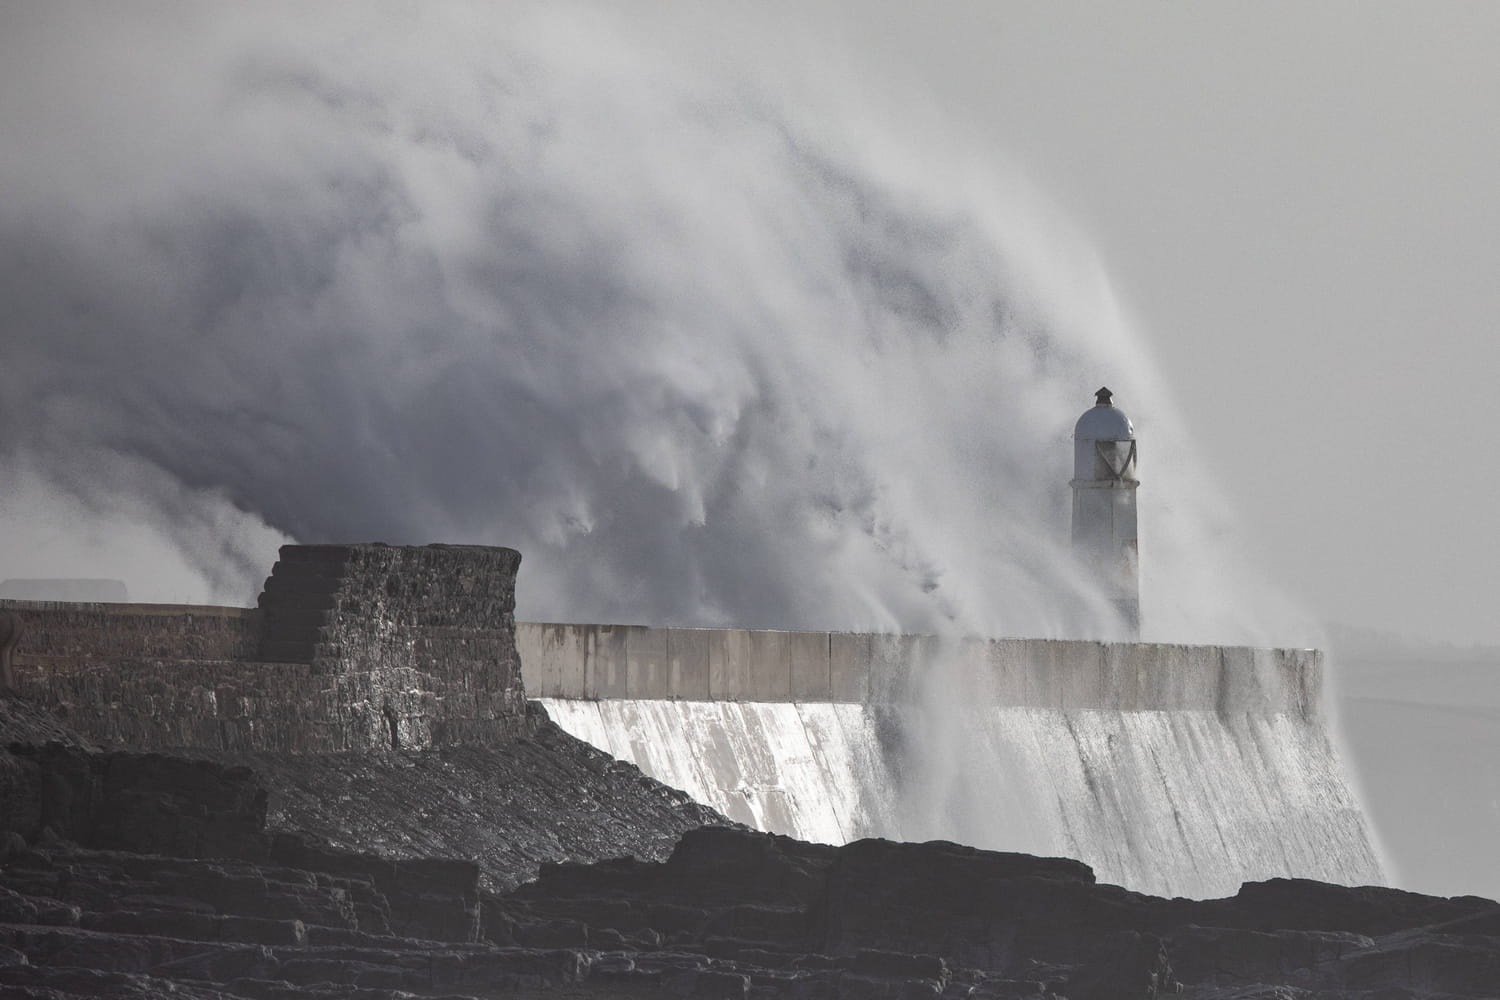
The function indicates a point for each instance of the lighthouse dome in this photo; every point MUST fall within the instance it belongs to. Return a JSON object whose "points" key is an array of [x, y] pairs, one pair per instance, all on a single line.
{"points": [[1104, 443], [1104, 423]]}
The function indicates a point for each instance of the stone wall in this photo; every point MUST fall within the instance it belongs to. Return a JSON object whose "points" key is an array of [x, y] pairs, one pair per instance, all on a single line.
{"points": [[353, 647], [58, 632], [634, 663], [435, 625]]}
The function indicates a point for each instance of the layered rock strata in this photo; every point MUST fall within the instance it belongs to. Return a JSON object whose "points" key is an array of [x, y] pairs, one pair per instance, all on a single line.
{"points": [[876, 918], [732, 913]]}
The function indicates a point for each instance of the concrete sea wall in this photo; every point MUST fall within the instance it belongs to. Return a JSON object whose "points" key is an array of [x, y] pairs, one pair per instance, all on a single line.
{"points": [[633, 662], [1176, 770]]}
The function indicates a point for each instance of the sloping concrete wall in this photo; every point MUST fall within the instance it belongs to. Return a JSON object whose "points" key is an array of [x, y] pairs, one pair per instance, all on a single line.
{"points": [[1183, 803], [1175, 770]]}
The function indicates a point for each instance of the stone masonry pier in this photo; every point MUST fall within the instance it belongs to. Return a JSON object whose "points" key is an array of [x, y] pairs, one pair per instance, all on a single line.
{"points": [[352, 647]]}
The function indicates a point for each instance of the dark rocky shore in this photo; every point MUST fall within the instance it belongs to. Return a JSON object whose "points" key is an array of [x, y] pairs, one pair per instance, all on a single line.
{"points": [[141, 875]]}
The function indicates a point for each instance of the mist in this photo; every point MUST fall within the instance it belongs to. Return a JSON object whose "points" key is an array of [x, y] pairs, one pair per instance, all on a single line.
{"points": [[706, 350]]}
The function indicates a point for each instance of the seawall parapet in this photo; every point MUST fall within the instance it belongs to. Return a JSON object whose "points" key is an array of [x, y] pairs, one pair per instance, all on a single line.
{"points": [[633, 662]]}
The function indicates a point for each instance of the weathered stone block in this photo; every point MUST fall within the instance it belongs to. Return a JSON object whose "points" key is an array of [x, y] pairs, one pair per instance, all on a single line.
{"points": [[749, 666], [1063, 674], [1121, 678], [1008, 667], [1253, 682], [552, 659], [648, 664], [808, 661], [688, 663], [849, 666], [608, 667]]}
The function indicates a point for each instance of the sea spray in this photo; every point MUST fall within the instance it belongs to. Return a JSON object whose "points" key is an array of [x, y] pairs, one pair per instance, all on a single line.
{"points": [[450, 276]]}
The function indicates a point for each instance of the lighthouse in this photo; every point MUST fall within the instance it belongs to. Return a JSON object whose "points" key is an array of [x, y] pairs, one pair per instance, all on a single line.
{"points": [[1104, 486]]}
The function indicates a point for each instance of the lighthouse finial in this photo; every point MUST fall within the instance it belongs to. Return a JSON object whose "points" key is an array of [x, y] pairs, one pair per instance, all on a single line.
{"points": [[1103, 396]]}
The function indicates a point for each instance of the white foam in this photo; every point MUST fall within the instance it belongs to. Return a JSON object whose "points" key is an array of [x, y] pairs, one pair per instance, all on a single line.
{"points": [[1185, 803]]}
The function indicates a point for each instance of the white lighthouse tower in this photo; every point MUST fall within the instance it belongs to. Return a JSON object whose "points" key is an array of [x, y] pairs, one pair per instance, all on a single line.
{"points": [[1104, 486]]}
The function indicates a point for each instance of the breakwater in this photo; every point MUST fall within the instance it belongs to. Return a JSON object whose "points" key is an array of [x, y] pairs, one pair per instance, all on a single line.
{"points": [[1177, 770]]}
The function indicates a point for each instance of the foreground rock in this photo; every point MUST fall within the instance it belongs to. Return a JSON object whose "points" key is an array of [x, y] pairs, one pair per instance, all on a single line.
{"points": [[881, 919], [436, 873], [509, 806], [731, 914]]}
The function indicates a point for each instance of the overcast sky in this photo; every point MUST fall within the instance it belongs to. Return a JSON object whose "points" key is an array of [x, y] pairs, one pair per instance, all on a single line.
{"points": [[1294, 206], [1299, 205]]}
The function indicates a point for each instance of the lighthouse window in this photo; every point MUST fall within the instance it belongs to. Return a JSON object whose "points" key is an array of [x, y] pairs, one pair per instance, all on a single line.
{"points": [[1116, 459]]}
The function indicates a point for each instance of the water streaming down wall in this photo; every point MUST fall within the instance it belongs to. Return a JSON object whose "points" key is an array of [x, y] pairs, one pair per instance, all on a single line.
{"points": [[1175, 770]]}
